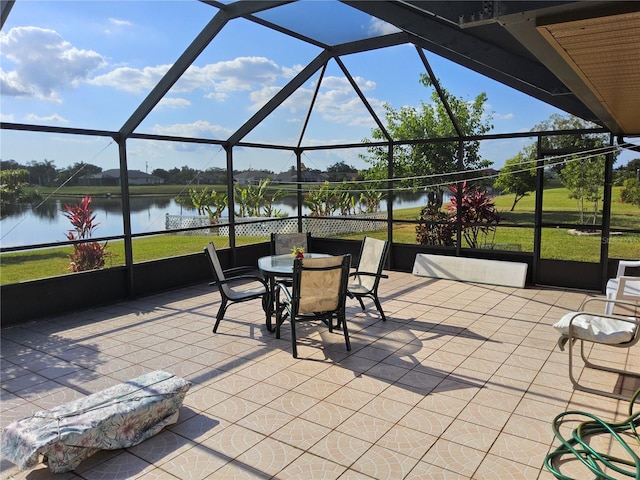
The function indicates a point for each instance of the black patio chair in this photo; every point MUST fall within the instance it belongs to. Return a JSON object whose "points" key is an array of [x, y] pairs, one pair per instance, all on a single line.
{"points": [[282, 243], [364, 281], [236, 285], [318, 292]]}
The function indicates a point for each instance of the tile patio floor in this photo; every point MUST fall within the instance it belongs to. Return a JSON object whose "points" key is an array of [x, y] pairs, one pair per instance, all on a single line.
{"points": [[461, 382]]}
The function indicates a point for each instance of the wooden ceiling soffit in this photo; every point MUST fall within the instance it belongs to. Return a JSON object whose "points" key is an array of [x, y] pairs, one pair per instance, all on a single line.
{"points": [[604, 52]]}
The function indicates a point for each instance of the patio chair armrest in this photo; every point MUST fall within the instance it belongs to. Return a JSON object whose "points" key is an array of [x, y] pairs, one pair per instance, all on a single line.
{"points": [[240, 278], [605, 301], [244, 270], [369, 274]]}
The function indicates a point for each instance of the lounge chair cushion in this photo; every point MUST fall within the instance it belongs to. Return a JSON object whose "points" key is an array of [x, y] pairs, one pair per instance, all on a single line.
{"points": [[597, 329], [118, 417]]}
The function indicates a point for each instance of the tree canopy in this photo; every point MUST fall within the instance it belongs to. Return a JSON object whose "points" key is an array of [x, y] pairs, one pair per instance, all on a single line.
{"points": [[430, 121], [518, 176]]}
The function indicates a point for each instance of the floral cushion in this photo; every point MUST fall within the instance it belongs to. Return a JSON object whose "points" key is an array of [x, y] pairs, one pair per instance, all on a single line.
{"points": [[118, 417]]}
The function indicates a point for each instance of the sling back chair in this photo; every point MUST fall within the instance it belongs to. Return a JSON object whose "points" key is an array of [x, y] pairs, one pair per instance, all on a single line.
{"points": [[632, 287], [282, 243], [318, 292], [588, 325], [364, 281], [236, 285]]}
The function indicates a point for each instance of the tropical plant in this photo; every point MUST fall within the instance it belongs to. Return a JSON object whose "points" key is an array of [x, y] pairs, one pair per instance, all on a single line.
{"points": [[12, 183], [436, 227], [207, 202], [477, 214], [86, 255], [322, 201], [253, 201], [370, 199]]}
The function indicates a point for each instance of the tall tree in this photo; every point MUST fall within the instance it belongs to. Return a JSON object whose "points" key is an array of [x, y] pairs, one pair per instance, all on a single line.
{"points": [[42, 173], [70, 175], [584, 180], [630, 170], [518, 176], [582, 173], [431, 120]]}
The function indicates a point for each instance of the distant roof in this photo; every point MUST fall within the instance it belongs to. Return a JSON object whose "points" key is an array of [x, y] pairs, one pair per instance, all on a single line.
{"points": [[115, 173]]}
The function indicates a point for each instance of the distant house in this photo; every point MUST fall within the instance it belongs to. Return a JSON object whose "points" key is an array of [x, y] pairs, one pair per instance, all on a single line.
{"points": [[250, 177], [112, 178], [206, 178], [290, 176]]}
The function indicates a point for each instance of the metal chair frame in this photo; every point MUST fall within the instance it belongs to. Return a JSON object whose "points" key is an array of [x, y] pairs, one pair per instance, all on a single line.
{"points": [[291, 306], [238, 276], [360, 286], [571, 338]]}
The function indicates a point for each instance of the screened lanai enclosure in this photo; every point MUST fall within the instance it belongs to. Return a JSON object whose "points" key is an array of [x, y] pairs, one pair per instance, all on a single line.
{"points": [[265, 102]]}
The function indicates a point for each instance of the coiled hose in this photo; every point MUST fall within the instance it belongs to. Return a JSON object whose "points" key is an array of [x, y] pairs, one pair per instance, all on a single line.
{"points": [[578, 445]]}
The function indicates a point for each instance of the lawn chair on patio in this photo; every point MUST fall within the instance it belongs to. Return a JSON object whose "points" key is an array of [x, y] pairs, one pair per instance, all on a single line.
{"points": [[366, 278], [631, 287], [587, 325], [282, 243], [236, 285], [318, 292]]}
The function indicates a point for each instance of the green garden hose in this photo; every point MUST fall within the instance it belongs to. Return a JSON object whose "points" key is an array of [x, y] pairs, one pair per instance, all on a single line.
{"points": [[578, 445]]}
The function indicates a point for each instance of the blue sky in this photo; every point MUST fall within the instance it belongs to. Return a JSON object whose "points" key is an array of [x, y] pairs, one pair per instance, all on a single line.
{"points": [[90, 63]]}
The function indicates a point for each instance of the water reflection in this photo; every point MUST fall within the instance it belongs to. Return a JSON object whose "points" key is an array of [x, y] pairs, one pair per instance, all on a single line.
{"points": [[45, 222]]}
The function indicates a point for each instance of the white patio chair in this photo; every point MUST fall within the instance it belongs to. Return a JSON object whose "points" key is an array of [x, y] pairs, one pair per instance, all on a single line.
{"points": [[631, 290], [615, 330]]}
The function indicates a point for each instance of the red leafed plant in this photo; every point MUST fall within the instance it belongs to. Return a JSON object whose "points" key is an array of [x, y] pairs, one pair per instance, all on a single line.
{"points": [[478, 213], [86, 255]]}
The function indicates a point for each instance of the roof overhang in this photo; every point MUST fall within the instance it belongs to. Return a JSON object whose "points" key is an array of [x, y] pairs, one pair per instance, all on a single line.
{"points": [[581, 57]]}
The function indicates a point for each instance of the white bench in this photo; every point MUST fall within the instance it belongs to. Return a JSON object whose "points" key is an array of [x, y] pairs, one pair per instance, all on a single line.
{"points": [[493, 272]]}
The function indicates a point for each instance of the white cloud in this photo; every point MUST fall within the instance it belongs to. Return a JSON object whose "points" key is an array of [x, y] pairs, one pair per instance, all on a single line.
{"points": [[132, 80], [44, 63], [6, 117], [341, 83], [217, 79], [217, 96], [174, 103], [200, 128], [503, 116], [55, 118], [120, 23], [379, 27], [260, 97], [336, 102], [240, 74]]}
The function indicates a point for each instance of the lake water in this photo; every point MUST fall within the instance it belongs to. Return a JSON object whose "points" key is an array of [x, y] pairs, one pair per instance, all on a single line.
{"points": [[47, 223]]}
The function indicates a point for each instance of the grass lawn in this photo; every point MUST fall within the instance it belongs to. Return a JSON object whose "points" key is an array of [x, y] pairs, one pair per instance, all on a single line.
{"points": [[517, 229]]}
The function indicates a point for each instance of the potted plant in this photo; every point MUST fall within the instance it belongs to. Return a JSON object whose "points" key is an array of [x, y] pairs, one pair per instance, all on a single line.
{"points": [[297, 252]]}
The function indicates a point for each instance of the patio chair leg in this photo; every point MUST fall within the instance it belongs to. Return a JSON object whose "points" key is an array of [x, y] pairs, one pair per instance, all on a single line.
{"points": [[379, 307], [221, 310], [293, 339], [361, 302], [343, 321], [281, 316], [267, 311]]}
